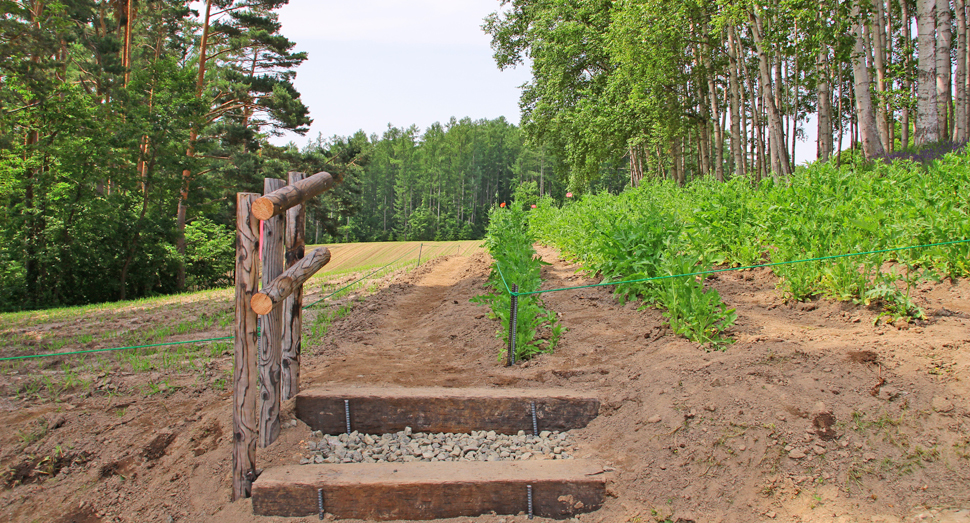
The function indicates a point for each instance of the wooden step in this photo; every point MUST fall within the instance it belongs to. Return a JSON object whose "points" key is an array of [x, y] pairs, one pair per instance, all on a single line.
{"points": [[388, 410], [423, 490]]}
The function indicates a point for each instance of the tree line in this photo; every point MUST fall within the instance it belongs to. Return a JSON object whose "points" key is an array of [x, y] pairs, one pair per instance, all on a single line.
{"points": [[720, 88], [127, 126], [437, 184]]}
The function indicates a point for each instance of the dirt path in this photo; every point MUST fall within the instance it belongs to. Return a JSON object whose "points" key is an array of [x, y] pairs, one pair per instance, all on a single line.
{"points": [[813, 415], [416, 333]]}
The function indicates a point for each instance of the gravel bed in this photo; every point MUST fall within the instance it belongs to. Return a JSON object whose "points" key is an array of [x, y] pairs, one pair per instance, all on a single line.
{"points": [[407, 446]]}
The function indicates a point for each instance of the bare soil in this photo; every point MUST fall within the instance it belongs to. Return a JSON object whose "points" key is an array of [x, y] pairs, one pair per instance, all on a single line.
{"points": [[814, 414]]}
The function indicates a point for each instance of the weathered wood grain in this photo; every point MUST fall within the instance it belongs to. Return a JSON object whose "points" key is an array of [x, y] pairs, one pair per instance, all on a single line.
{"points": [[385, 410], [275, 202], [244, 359], [271, 335], [274, 292], [420, 490], [295, 243]]}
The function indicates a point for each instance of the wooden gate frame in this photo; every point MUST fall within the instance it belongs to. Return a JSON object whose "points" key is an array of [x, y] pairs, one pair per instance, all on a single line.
{"points": [[275, 355]]}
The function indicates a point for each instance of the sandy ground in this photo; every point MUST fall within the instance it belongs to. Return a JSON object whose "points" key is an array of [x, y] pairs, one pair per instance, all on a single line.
{"points": [[814, 414]]}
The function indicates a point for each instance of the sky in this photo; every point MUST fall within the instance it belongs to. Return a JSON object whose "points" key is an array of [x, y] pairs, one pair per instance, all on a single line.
{"points": [[377, 62]]}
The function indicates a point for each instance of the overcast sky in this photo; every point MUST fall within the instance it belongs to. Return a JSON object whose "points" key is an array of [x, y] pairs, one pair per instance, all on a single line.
{"points": [[378, 62]]}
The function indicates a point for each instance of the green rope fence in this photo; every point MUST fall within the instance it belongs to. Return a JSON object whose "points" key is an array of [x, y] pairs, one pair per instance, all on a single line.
{"points": [[52, 354], [204, 340], [713, 271], [511, 293]]}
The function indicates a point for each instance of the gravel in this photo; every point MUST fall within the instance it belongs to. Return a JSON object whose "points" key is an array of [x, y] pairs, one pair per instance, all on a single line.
{"points": [[407, 446]]}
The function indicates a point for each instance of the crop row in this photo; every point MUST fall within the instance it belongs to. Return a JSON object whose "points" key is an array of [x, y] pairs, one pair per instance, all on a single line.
{"points": [[509, 242], [660, 229]]}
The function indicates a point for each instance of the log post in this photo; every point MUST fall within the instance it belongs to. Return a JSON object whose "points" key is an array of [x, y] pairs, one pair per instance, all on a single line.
{"points": [[275, 202], [276, 291], [244, 360], [293, 304], [271, 337]]}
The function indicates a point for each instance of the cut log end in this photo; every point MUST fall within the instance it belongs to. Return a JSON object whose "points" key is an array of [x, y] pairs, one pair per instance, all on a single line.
{"points": [[263, 208], [261, 303]]}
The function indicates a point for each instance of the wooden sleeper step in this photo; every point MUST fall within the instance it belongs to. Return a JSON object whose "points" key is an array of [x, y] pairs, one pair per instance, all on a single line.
{"points": [[427, 409], [424, 490]]}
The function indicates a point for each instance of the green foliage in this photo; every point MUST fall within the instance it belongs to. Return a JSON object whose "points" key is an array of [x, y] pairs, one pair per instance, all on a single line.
{"points": [[825, 210], [516, 263], [630, 237], [210, 254]]}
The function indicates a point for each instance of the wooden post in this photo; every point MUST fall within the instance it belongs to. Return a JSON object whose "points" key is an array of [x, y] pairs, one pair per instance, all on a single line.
{"points": [[293, 305], [286, 284], [244, 362], [271, 337], [275, 202]]}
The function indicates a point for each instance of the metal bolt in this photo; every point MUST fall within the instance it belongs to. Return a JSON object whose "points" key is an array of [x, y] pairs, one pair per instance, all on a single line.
{"points": [[320, 501], [529, 492], [347, 414], [535, 424]]}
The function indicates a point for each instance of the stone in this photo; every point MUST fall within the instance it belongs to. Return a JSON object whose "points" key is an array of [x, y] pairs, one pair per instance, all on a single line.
{"points": [[654, 419], [797, 454]]}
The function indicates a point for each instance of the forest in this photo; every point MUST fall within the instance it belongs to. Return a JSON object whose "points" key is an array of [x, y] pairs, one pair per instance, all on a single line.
{"points": [[697, 88], [126, 126]]}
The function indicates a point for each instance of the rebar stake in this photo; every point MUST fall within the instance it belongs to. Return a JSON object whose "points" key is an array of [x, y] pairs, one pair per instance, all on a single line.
{"points": [[347, 414], [513, 320], [535, 424], [320, 501], [529, 492]]}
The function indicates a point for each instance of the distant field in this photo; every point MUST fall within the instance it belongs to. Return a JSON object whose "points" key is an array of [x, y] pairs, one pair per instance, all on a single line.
{"points": [[346, 258], [354, 257]]}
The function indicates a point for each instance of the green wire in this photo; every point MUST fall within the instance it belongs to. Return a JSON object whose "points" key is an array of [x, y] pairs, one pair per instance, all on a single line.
{"points": [[359, 279], [196, 341], [712, 271], [114, 349], [502, 275], [497, 266]]}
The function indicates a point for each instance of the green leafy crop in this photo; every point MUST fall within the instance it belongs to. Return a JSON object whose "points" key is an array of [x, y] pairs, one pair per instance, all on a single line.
{"points": [[516, 263]]}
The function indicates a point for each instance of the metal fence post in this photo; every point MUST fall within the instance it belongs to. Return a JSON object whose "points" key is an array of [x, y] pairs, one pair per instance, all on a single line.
{"points": [[513, 320]]}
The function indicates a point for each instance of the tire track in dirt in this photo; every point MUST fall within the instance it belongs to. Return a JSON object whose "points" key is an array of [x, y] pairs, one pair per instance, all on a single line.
{"points": [[407, 335]]}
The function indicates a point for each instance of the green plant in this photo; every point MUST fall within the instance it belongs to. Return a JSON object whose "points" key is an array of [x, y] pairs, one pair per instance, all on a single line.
{"points": [[516, 264], [27, 437]]}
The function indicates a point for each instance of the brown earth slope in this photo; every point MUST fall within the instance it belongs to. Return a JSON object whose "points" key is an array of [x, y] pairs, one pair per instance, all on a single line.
{"points": [[814, 414]]}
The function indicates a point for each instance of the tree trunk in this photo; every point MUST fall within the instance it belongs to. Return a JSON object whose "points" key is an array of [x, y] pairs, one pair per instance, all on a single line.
{"points": [[295, 249], [960, 110], [943, 69], [737, 138], [794, 116], [927, 115], [879, 61], [718, 135], [907, 64], [271, 326], [190, 153], [757, 129], [824, 139], [779, 153], [677, 168]]}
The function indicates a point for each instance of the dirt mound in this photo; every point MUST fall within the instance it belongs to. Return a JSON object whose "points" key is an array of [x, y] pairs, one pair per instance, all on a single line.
{"points": [[814, 414]]}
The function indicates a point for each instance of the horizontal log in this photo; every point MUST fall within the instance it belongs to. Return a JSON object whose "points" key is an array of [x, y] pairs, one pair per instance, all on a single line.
{"points": [[284, 285], [422, 490], [433, 409], [294, 194]]}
